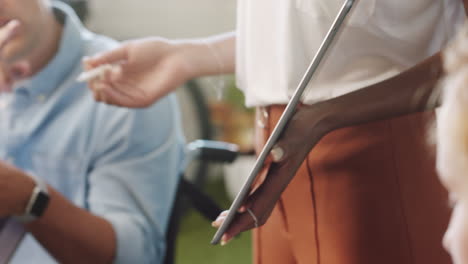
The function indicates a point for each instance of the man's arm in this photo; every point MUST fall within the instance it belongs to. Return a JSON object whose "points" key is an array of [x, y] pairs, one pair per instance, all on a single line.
{"points": [[72, 234], [131, 188]]}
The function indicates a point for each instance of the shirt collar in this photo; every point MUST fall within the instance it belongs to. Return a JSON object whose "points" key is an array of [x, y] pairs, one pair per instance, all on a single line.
{"points": [[68, 55]]}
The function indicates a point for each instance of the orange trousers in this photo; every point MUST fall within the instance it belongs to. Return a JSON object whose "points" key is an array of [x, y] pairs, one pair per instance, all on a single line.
{"points": [[367, 194]]}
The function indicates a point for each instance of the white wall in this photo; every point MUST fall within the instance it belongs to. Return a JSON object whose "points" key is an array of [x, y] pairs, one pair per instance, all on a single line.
{"points": [[123, 19]]}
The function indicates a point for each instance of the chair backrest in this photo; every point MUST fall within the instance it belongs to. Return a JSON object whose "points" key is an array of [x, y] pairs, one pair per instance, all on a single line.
{"points": [[193, 195], [187, 193]]}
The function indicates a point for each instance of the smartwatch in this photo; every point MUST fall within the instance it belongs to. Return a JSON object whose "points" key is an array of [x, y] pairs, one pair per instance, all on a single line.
{"points": [[37, 203]]}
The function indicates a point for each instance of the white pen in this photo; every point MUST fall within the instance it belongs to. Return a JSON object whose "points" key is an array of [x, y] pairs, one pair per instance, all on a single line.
{"points": [[95, 73]]}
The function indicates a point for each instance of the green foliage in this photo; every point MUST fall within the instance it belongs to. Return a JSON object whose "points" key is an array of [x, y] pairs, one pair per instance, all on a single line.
{"points": [[193, 243], [234, 96]]}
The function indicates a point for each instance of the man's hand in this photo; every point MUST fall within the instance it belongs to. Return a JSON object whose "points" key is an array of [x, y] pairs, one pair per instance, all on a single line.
{"points": [[7, 31], [10, 71], [302, 133]]}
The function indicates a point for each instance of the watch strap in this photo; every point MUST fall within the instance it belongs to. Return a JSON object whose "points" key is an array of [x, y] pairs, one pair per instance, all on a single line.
{"points": [[37, 202]]}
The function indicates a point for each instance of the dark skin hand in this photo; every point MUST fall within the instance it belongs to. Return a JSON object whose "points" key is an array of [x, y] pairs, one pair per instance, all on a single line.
{"points": [[411, 91], [406, 93]]}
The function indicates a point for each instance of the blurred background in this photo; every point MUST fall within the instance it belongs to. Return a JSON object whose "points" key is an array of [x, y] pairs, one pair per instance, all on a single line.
{"points": [[212, 108]]}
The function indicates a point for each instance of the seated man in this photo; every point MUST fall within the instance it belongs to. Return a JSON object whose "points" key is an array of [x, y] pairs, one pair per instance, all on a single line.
{"points": [[111, 173]]}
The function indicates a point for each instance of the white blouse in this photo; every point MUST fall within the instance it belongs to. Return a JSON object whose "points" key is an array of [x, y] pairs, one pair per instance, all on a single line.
{"points": [[276, 40]]}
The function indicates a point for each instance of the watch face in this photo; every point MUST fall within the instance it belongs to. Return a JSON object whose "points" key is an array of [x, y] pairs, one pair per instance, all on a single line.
{"points": [[40, 204]]}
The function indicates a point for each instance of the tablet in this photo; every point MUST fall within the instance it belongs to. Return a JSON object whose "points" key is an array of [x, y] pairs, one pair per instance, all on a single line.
{"points": [[11, 234], [284, 119]]}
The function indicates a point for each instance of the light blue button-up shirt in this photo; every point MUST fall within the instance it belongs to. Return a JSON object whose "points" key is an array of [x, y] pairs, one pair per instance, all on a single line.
{"points": [[117, 163]]}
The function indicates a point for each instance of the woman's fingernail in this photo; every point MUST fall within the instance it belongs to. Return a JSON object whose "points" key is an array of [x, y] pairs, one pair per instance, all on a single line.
{"points": [[216, 223], [277, 153], [221, 217], [224, 240]]}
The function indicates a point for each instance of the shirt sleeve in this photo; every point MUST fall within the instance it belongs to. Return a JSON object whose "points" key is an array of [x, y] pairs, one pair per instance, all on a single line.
{"points": [[134, 176]]}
